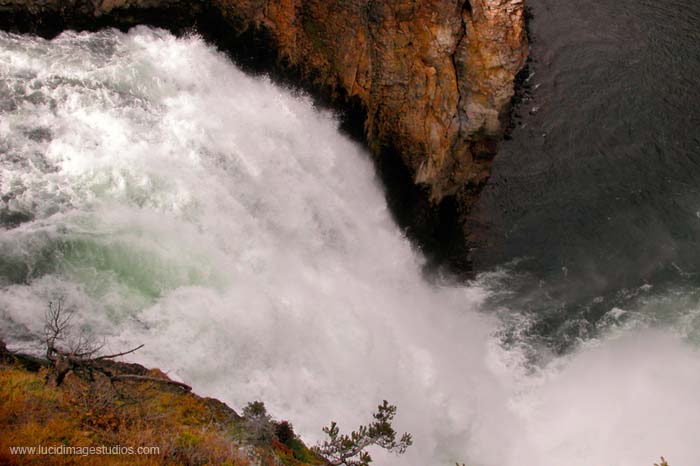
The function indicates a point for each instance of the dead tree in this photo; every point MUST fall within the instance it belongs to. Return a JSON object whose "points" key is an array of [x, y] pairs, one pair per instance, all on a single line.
{"points": [[81, 353]]}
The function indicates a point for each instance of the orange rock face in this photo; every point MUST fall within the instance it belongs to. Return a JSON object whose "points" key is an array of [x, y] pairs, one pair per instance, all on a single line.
{"points": [[435, 76]]}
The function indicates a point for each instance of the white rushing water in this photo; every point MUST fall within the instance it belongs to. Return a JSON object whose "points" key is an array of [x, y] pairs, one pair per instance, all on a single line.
{"points": [[227, 224]]}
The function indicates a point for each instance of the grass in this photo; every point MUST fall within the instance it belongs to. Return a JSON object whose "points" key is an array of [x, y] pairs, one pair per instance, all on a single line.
{"points": [[186, 429]]}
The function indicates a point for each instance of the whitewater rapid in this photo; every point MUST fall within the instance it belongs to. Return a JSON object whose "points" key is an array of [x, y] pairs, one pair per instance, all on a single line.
{"points": [[226, 223]]}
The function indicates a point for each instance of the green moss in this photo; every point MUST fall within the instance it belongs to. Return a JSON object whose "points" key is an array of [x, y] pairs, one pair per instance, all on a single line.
{"points": [[188, 440], [301, 453]]}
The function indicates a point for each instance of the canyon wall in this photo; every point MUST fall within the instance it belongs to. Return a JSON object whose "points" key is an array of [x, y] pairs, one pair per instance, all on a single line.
{"points": [[433, 78]]}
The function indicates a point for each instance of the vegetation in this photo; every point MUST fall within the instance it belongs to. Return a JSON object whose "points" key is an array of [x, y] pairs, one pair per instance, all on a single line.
{"points": [[258, 423], [96, 402], [184, 429], [350, 450], [68, 350], [81, 399]]}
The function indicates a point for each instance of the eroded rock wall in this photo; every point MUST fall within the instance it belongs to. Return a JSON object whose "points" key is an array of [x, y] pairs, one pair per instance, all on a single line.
{"points": [[435, 76]]}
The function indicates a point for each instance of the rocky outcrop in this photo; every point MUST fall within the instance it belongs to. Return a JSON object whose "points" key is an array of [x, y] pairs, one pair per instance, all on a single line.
{"points": [[91, 413], [433, 78]]}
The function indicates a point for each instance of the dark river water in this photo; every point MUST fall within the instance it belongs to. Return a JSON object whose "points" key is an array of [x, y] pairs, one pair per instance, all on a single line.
{"points": [[598, 191]]}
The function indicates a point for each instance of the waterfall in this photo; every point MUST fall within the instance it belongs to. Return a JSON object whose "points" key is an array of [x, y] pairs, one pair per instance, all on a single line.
{"points": [[228, 225]]}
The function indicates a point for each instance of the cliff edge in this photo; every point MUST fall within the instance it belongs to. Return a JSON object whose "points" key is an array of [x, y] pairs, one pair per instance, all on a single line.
{"points": [[433, 79], [145, 419]]}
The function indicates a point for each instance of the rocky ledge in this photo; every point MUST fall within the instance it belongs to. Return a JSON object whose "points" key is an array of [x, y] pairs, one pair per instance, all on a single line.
{"points": [[143, 419], [432, 79]]}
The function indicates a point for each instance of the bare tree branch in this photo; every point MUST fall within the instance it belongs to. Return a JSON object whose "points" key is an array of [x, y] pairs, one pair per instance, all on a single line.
{"points": [[111, 356], [57, 322], [78, 353]]}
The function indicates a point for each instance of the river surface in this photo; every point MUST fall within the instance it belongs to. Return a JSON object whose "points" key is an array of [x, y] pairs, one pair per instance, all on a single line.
{"points": [[596, 198], [229, 225]]}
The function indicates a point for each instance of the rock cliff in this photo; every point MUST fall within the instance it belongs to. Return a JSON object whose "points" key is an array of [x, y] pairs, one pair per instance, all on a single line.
{"points": [[435, 77], [432, 78]]}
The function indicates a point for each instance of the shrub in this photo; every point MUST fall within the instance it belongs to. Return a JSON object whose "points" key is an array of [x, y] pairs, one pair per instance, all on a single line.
{"points": [[258, 423], [285, 432], [349, 450]]}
